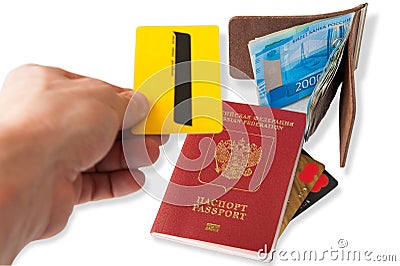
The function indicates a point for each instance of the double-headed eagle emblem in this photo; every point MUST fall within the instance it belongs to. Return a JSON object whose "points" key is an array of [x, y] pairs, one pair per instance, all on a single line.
{"points": [[234, 159]]}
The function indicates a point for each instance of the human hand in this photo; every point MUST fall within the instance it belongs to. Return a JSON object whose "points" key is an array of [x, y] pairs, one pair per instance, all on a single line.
{"points": [[60, 147]]}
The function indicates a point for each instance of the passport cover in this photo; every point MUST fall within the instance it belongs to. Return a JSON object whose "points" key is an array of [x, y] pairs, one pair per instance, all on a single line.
{"points": [[236, 200], [243, 29]]}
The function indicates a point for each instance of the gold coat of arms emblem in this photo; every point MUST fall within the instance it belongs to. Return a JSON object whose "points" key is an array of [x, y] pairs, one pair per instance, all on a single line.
{"points": [[234, 159]]}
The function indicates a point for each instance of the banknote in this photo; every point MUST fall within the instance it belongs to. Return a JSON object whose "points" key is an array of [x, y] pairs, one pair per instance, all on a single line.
{"points": [[320, 89], [288, 65]]}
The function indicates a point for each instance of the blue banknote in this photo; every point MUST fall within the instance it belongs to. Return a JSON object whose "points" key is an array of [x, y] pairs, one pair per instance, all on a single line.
{"points": [[289, 64]]}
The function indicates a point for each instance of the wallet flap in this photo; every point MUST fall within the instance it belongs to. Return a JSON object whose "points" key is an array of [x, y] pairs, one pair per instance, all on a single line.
{"points": [[243, 29], [347, 103]]}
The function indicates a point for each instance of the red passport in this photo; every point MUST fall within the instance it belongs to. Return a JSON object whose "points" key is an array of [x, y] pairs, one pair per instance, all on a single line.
{"points": [[228, 191]]}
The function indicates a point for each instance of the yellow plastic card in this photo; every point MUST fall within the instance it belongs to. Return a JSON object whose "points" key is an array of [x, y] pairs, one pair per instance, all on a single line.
{"points": [[178, 69]]}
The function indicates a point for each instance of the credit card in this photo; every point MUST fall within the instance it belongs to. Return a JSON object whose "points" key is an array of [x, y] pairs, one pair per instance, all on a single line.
{"points": [[178, 69], [325, 184]]}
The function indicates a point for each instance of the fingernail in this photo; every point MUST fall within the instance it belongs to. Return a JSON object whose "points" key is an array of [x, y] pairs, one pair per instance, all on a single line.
{"points": [[139, 178], [142, 104], [138, 108]]}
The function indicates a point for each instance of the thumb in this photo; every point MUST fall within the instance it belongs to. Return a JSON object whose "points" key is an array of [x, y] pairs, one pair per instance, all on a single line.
{"points": [[137, 108]]}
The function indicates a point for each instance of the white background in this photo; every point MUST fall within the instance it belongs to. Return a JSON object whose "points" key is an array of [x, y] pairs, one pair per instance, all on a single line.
{"points": [[97, 38]]}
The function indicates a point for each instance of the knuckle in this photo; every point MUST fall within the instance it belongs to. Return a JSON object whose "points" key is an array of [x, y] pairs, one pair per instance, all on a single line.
{"points": [[31, 71], [92, 83], [28, 76], [32, 68]]}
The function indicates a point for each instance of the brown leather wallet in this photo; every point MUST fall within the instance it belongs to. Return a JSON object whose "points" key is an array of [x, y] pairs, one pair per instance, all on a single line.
{"points": [[243, 29]]}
